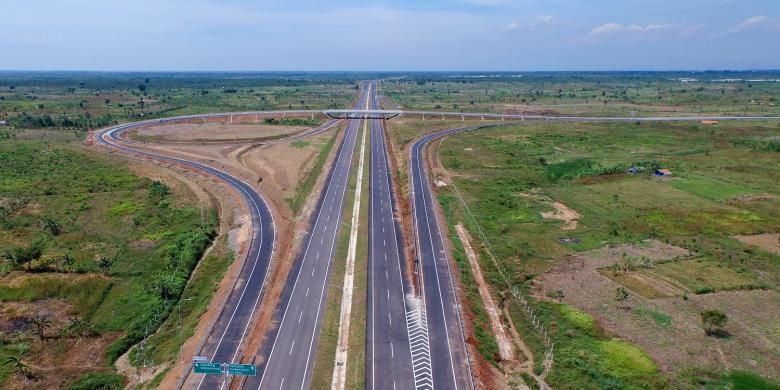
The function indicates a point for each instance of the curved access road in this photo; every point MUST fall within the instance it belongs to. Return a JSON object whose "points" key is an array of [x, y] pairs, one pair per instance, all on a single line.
{"points": [[226, 335]]}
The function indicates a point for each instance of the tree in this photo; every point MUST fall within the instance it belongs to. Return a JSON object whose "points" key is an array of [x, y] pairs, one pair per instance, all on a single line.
{"points": [[78, 327], [41, 323], [142, 87], [25, 255], [105, 263], [158, 189], [621, 295], [51, 225], [68, 261], [18, 366], [713, 321]]}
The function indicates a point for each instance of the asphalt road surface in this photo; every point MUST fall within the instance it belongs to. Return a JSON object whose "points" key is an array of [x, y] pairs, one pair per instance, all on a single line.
{"points": [[230, 328], [292, 347], [388, 353], [449, 358]]}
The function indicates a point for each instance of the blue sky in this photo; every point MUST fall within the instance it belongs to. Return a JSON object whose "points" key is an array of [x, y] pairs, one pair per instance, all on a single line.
{"points": [[401, 35]]}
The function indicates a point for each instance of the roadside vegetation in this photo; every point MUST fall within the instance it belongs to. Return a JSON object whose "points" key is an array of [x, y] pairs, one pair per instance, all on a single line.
{"points": [[305, 187], [669, 243], [94, 259]]}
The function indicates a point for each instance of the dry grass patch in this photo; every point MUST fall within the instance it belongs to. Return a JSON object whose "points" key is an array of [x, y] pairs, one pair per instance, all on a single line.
{"points": [[768, 242]]}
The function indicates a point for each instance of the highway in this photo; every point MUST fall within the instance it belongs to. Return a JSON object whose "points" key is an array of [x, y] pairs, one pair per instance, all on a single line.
{"points": [[449, 357], [388, 353], [413, 341], [291, 347]]}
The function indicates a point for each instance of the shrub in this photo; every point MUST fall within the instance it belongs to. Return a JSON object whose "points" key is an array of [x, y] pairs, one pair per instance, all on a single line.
{"points": [[98, 381]]}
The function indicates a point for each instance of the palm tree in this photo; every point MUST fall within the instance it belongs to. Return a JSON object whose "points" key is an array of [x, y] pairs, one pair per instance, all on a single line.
{"points": [[41, 323], [51, 225], [18, 366], [67, 261], [80, 328]]}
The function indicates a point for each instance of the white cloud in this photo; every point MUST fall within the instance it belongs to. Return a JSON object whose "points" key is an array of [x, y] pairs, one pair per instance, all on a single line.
{"points": [[616, 28], [534, 24], [760, 21], [606, 28]]}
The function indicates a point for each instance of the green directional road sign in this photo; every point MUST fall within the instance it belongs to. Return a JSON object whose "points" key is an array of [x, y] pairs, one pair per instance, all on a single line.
{"points": [[208, 368], [242, 369]]}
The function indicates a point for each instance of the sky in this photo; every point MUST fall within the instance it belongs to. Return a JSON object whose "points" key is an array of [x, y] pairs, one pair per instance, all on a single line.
{"points": [[402, 35]]}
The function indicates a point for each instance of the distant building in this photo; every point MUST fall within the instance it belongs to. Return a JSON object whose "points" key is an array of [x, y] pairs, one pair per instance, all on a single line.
{"points": [[663, 172], [709, 122], [2, 123]]}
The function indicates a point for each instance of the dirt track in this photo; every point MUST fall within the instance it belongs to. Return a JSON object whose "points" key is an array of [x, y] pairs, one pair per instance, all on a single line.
{"points": [[208, 132]]}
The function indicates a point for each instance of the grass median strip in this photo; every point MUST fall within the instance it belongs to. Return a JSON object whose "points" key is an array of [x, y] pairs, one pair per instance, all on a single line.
{"points": [[326, 352], [339, 374]]}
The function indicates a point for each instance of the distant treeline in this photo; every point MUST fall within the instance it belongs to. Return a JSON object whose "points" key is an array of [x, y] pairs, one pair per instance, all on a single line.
{"points": [[174, 80], [81, 122]]}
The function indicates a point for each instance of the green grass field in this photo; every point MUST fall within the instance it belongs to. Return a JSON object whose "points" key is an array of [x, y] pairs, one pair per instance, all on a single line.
{"points": [[122, 250], [719, 188]]}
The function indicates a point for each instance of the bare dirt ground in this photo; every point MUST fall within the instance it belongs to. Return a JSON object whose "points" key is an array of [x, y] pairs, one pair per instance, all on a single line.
{"points": [[68, 358], [669, 328], [210, 132], [768, 242], [565, 214], [504, 345]]}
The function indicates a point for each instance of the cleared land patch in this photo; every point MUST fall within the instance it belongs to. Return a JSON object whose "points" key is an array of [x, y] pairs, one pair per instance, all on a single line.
{"points": [[210, 132], [767, 242]]}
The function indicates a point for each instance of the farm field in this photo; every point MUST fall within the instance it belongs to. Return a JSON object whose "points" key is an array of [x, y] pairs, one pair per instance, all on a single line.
{"points": [[567, 220]]}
